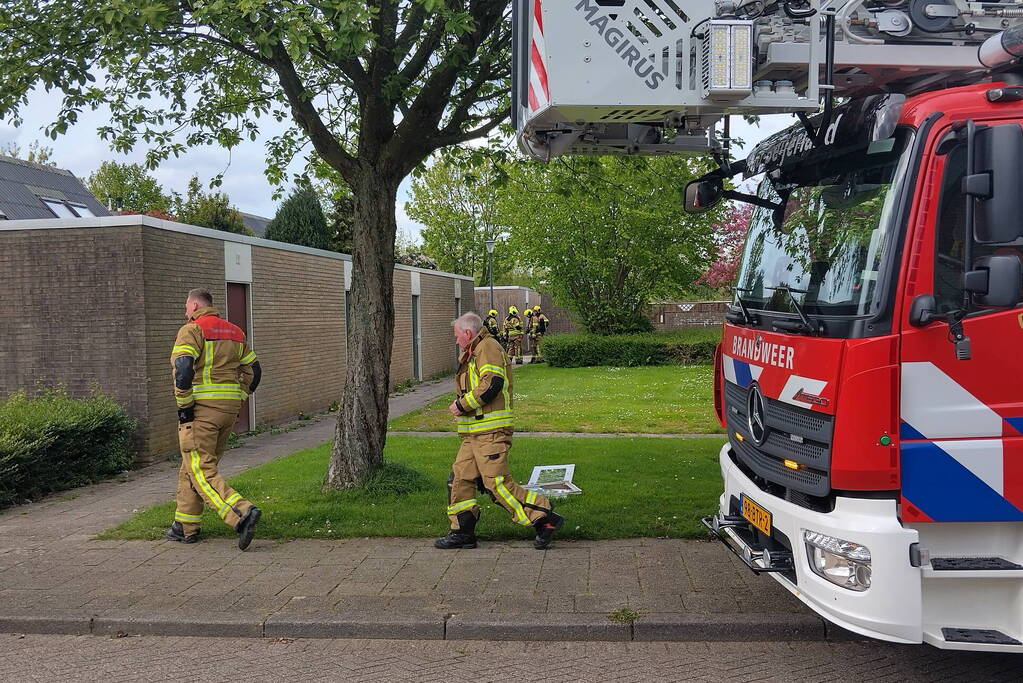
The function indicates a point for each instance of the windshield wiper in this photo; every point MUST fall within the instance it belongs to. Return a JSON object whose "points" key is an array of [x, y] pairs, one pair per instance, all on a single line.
{"points": [[804, 324], [744, 317]]}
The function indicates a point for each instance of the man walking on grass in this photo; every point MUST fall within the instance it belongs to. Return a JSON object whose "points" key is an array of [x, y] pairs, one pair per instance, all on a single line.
{"points": [[215, 370], [483, 408]]}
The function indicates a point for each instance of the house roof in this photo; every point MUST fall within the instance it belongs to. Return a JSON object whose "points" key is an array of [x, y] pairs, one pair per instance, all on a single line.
{"points": [[256, 224], [24, 184]]}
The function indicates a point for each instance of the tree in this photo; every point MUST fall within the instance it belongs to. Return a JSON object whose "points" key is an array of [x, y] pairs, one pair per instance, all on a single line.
{"points": [[376, 86], [300, 220], [609, 233], [128, 187], [208, 210], [456, 206], [730, 234], [37, 154]]}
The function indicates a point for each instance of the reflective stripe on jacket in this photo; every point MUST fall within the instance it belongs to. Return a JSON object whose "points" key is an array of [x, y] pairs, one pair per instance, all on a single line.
{"points": [[513, 326], [486, 403], [222, 361]]}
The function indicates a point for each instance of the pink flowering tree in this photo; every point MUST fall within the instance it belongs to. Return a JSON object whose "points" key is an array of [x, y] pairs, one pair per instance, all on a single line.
{"points": [[730, 235]]}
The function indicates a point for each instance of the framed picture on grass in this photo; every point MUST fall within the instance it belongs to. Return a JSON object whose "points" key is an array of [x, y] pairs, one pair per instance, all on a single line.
{"points": [[553, 480]]}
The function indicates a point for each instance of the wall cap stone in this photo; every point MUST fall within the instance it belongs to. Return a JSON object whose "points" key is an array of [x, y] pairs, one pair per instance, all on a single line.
{"points": [[172, 226]]}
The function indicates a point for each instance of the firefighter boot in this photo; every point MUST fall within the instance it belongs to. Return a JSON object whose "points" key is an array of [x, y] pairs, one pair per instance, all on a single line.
{"points": [[545, 529], [247, 527], [463, 537], [177, 533]]}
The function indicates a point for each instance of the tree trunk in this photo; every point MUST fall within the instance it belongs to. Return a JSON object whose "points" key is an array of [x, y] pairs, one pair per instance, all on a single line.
{"points": [[362, 420]]}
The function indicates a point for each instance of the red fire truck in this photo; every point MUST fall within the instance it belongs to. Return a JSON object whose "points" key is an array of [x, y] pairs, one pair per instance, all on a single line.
{"points": [[869, 378]]}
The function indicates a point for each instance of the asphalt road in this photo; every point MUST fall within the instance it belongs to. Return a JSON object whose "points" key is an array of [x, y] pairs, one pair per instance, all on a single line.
{"points": [[111, 660]]}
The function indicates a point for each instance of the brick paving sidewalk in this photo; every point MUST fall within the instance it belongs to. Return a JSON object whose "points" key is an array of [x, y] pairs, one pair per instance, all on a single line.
{"points": [[49, 564]]}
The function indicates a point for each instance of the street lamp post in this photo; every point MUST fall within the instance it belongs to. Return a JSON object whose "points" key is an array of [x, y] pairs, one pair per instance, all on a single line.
{"points": [[490, 269]]}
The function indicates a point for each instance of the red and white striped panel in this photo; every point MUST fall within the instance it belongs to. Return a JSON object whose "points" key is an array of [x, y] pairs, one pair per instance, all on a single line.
{"points": [[539, 93]]}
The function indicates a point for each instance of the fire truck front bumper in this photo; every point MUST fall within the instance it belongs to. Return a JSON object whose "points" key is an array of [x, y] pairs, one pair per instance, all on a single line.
{"points": [[851, 565]]}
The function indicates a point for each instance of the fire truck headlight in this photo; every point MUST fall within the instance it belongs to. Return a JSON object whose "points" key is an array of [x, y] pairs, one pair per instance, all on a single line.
{"points": [[843, 563]]}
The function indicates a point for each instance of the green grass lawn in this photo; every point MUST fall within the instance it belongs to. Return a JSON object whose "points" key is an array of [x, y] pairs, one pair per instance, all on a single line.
{"points": [[632, 487], [668, 399]]}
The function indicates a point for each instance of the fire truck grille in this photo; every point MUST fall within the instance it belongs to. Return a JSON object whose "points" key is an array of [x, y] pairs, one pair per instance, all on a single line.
{"points": [[796, 448]]}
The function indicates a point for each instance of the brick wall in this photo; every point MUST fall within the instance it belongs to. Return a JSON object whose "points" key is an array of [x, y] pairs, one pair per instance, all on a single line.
{"points": [[100, 307], [298, 332], [679, 314], [436, 311], [561, 317], [173, 264], [664, 316], [401, 348], [72, 306]]}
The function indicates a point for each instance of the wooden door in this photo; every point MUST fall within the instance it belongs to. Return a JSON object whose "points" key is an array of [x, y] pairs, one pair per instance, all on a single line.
{"points": [[238, 313]]}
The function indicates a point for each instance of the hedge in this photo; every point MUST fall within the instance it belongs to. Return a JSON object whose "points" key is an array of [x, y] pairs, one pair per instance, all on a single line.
{"points": [[684, 347], [53, 442]]}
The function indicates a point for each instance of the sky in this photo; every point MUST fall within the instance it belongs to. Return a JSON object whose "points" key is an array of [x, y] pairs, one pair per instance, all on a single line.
{"points": [[81, 151]]}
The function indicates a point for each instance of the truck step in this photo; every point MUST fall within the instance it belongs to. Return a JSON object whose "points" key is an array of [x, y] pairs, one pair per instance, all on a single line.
{"points": [[964, 564], [981, 636]]}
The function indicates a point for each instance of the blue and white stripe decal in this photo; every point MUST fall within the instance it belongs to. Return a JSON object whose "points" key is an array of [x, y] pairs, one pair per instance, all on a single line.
{"points": [[938, 407], [739, 371], [952, 450], [954, 483]]}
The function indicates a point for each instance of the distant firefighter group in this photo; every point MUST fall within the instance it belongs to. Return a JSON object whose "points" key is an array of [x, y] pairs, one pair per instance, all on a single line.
{"points": [[510, 332]]}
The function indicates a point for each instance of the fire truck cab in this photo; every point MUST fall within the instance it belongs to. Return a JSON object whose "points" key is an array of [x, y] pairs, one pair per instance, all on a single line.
{"points": [[869, 377]]}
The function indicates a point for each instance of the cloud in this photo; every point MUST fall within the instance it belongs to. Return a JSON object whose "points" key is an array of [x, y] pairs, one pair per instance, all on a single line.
{"points": [[81, 151]]}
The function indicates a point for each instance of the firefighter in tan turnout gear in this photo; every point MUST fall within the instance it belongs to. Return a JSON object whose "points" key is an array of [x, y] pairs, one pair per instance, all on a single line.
{"points": [[483, 408], [215, 370], [513, 333]]}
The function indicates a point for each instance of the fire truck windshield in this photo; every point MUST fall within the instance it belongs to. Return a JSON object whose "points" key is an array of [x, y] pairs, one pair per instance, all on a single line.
{"points": [[824, 247]]}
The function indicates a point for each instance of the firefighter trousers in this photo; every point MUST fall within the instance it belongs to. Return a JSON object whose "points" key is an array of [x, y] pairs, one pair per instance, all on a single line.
{"points": [[537, 340], [484, 458], [202, 444], [515, 347]]}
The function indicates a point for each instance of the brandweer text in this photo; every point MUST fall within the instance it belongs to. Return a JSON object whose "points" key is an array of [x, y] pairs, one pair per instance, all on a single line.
{"points": [[765, 352]]}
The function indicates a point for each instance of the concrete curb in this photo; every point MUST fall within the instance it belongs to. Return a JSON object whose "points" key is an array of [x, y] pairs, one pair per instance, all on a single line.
{"points": [[541, 626], [47, 623], [424, 626], [661, 627], [170, 624]]}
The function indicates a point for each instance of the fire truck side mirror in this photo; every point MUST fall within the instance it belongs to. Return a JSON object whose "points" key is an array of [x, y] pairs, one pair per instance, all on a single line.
{"points": [[923, 310], [995, 281], [996, 184], [703, 194]]}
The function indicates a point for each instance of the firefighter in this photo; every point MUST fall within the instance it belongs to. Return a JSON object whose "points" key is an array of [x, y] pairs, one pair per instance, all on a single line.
{"points": [[491, 323], [539, 329], [215, 370], [483, 409], [513, 333]]}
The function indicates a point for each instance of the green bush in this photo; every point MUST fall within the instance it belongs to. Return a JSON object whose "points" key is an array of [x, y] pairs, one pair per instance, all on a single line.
{"points": [[53, 442], [682, 347]]}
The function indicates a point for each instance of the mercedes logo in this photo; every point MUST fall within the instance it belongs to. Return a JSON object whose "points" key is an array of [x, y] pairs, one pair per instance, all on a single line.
{"points": [[755, 412]]}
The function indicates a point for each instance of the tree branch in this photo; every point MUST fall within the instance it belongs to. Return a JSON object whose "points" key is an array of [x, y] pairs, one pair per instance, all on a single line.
{"points": [[308, 118]]}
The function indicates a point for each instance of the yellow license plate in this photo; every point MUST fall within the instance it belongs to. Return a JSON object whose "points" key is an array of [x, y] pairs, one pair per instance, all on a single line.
{"points": [[756, 515]]}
